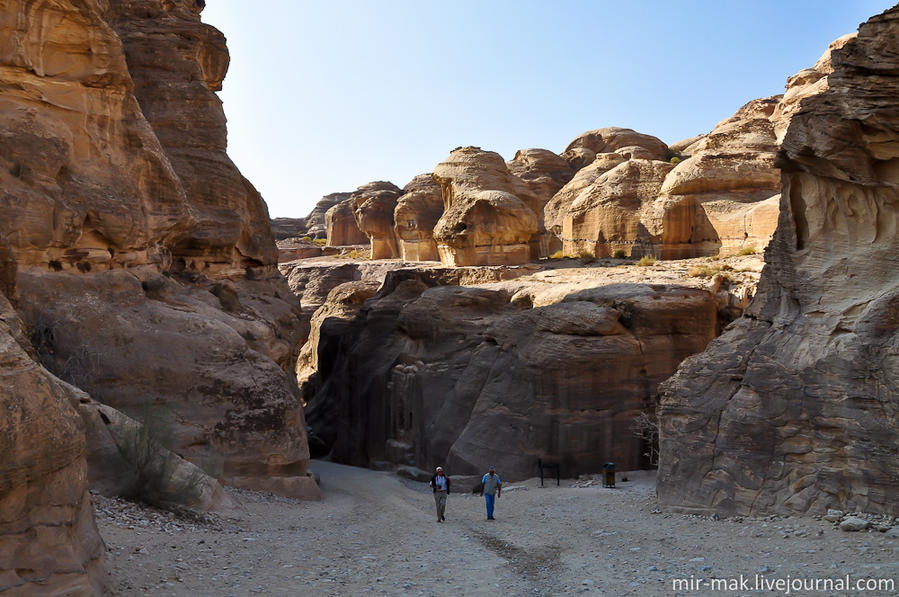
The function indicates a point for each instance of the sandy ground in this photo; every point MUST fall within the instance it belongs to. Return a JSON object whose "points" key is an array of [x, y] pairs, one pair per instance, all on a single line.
{"points": [[375, 534]]}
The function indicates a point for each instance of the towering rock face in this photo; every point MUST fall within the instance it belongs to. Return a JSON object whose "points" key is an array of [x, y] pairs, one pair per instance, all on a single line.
{"points": [[315, 221], [341, 226], [724, 197], [463, 366], [794, 408], [373, 207], [606, 216], [49, 543], [137, 239], [86, 182], [416, 214], [177, 63], [490, 216]]}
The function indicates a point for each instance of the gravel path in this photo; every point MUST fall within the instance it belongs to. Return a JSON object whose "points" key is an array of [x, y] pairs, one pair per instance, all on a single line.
{"points": [[374, 534]]}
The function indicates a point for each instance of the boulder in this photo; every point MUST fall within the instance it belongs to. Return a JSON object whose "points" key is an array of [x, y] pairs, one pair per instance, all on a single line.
{"points": [[490, 216], [373, 207], [342, 228], [544, 171], [793, 409], [854, 524], [416, 214]]}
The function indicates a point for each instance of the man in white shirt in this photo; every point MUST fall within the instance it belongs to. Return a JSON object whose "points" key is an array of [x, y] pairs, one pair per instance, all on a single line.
{"points": [[440, 484]]}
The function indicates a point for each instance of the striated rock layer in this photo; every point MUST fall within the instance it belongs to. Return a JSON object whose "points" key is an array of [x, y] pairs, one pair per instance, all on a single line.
{"points": [[49, 544], [505, 365], [416, 214], [147, 270], [795, 408]]}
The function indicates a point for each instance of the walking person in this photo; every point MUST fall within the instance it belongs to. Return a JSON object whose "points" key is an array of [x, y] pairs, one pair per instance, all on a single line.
{"points": [[491, 489], [440, 484]]}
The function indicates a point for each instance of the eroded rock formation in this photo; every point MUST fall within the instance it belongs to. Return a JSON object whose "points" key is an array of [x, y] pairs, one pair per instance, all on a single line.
{"points": [[146, 266], [373, 207], [283, 228], [794, 408], [609, 214], [416, 214], [491, 216], [464, 366], [724, 197], [627, 142], [341, 226], [49, 542], [315, 221]]}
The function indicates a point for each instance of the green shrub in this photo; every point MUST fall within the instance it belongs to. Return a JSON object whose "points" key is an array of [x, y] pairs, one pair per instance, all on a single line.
{"points": [[145, 447], [321, 242], [557, 255], [619, 254], [646, 260], [748, 250], [306, 239], [674, 160], [586, 257]]}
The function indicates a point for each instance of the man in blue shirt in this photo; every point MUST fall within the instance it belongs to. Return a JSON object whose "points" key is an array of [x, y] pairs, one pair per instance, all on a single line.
{"points": [[491, 488]]}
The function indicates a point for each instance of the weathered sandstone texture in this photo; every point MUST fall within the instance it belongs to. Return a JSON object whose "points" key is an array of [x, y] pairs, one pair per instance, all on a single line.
{"points": [[341, 227], [584, 148], [719, 196], [491, 216], [724, 197], [177, 63], [794, 408], [373, 207], [147, 271], [49, 543], [315, 221], [609, 214], [505, 365], [416, 214]]}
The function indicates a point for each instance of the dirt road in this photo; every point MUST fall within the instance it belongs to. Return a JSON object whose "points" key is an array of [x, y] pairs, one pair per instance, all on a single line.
{"points": [[374, 534]]}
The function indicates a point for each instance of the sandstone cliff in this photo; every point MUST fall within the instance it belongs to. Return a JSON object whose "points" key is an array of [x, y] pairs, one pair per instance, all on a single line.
{"points": [[147, 271], [315, 221], [794, 409], [465, 366], [373, 207], [48, 539]]}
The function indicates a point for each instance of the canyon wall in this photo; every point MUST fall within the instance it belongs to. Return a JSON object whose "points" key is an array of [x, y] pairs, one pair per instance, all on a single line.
{"points": [[506, 365], [794, 408], [146, 267]]}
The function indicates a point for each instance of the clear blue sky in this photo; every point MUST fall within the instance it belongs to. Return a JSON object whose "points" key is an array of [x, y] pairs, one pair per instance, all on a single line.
{"points": [[326, 95]]}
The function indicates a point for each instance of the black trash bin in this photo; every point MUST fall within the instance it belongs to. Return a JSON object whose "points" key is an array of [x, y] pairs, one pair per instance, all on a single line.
{"points": [[608, 477]]}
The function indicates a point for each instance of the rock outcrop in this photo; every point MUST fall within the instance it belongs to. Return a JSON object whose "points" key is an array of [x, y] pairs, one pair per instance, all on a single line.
{"points": [[283, 228], [724, 197], [608, 215], [49, 544], [491, 216], [627, 142], [147, 271], [556, 209], [544, 171], [315, 221], [341, 227], [416, 214], [373, 207], [463, 366], [794, 408]]}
